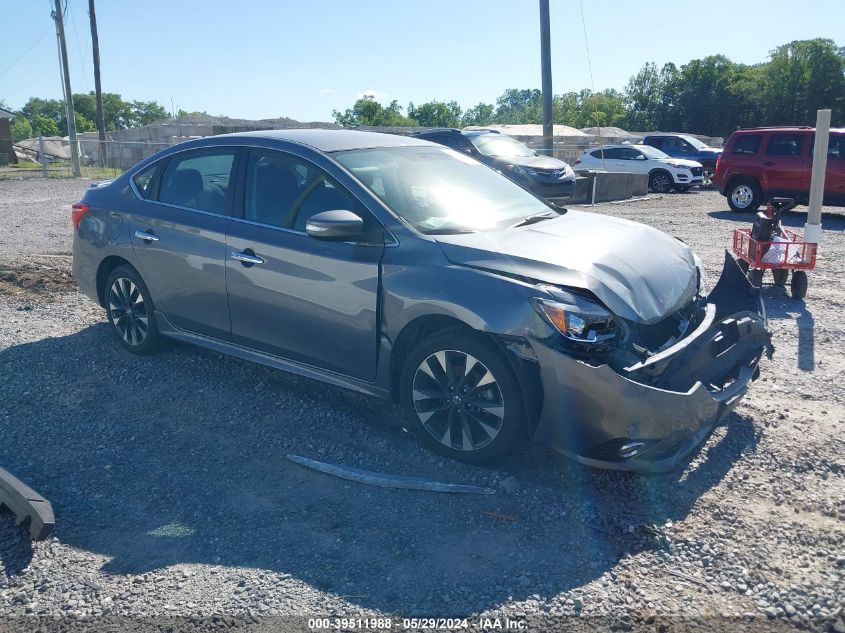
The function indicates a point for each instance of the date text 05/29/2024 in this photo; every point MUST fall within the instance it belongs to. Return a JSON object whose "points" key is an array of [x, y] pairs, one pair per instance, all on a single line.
{"points": [[416, 624]]}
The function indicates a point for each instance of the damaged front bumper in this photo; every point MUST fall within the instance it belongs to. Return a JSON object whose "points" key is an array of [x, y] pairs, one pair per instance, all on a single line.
{"points": [[652, 415]]}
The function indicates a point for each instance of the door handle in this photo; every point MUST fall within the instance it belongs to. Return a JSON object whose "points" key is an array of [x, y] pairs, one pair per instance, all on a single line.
{"points": [[147, 237], [246, 258], [768, 163]]}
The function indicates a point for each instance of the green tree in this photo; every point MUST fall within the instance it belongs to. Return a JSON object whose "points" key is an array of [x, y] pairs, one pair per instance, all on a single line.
{"points": [[146, 112], [802, 77], [480, 114], [44, 126], [21, 128], [519, 106], [83, 124], [86, 105], [642, 98], [436, 114], [369, 112]]}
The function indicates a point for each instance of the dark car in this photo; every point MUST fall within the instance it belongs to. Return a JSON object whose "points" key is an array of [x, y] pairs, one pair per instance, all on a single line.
{"points": [[406, 270], [689, 147], [547, 177], [450, 137], [761, 163]]}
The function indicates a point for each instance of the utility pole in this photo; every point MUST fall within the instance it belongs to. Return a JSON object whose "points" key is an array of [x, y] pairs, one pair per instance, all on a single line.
{"points": [[546, 70], [71, 120], [98, 88]]}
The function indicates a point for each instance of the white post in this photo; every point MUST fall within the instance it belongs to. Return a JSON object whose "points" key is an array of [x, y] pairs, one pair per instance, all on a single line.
{"points": [[813, 228]]}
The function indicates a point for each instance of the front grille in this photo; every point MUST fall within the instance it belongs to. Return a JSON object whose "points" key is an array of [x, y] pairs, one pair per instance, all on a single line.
{"points": [[697, 171]]}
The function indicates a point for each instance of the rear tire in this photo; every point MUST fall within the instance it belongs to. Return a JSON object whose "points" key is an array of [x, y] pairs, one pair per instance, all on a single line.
{"points": [[660, 181], [744, 196], [461, 398], [129, 310], [799, 284]]}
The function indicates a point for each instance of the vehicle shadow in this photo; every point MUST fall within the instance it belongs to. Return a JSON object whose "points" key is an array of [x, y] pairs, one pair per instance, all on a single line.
{"points": [[779, 305], [15, 545], [180, 458]]}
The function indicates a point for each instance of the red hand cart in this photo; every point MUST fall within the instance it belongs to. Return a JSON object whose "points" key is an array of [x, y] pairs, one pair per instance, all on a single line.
{"points": [[790, 253]]}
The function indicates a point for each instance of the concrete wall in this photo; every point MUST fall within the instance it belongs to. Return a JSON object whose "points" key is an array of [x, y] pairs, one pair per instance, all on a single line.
{"points": [[608, 186]]}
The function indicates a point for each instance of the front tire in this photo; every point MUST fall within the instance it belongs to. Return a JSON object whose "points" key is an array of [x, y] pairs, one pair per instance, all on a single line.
{"points": [[660, 181], [744, 196], [461, 397], [129, 310]]}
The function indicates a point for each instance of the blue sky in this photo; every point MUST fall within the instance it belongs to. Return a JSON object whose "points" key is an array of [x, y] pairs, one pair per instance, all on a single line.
{"points": [[268, 58]]}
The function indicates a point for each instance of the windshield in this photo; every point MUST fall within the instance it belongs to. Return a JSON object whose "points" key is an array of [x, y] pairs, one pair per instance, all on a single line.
{"points": [[499, 145], [438, 190], [651, 152], [694, 142]]}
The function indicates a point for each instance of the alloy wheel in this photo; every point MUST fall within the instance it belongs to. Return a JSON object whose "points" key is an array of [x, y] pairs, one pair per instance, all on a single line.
{"points": [[742, 196], [458, 400], [661, 183], [127, 311]]}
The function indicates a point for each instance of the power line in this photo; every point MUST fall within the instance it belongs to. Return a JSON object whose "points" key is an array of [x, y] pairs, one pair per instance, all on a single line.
{"points": [[14, 63], [79, 50], [592, 82]]}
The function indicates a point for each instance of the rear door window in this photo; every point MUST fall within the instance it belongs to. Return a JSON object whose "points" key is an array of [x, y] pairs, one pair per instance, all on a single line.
{"points": [[199, 180], [629, 153], [785, 145], [655, 141], [747, 144]]}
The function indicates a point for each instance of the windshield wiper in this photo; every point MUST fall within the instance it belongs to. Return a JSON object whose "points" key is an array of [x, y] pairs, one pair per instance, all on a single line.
{"points": [[533, 219]]}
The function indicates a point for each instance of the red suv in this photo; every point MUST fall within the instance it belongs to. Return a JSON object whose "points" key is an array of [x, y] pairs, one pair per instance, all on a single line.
{"points": [[758, 164]]}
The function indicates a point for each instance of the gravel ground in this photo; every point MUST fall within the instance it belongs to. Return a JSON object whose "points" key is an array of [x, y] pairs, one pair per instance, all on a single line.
{"points": [[173, 497]]}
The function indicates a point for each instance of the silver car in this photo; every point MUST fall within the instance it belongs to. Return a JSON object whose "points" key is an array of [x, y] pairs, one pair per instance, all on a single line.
{"points": [[405, 270]]}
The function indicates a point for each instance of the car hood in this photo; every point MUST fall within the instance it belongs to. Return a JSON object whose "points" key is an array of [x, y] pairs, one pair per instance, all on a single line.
{"points": [[639, 273], [543, 163], [680, 161]]}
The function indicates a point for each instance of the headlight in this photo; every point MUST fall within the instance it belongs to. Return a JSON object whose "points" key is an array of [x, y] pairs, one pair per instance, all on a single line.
{"points": [[584, 323], [676, 166], [525, 171]]}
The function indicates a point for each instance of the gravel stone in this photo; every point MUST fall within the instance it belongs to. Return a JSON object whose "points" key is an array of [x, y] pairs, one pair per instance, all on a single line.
{"points": [[174, 499]]}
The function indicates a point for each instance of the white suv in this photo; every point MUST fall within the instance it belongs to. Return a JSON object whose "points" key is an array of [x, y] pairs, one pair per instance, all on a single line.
{"points": [[664, 172]]}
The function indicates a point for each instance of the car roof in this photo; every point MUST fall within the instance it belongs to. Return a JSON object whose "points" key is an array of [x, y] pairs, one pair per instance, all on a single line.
{"points": [[482, 132], [777, 128], [616, 146], [331, 140], [436, 130]]}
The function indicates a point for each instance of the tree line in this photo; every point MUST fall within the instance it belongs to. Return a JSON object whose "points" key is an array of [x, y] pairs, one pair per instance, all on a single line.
{"points": [[47, 117], [711, 96]]}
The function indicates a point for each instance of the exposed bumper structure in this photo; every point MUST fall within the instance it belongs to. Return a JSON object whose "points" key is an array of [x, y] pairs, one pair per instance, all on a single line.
{"points": [[651, 416]]}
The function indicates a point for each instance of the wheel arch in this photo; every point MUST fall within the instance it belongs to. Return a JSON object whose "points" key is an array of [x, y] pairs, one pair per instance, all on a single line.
{"points": [[525, 370], [736, 178], [105, 269]]}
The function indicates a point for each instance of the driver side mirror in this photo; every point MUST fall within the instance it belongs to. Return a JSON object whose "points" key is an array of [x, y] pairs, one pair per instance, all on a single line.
{"points": [[640, 157], [336, 226]]}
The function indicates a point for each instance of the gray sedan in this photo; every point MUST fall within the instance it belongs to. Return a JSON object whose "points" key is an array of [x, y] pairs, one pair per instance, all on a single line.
{"points": [[405, 270]]}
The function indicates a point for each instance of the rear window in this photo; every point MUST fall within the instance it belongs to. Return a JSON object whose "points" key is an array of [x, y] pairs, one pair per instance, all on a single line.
{"points": [[747, 144], [785, 145]]}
